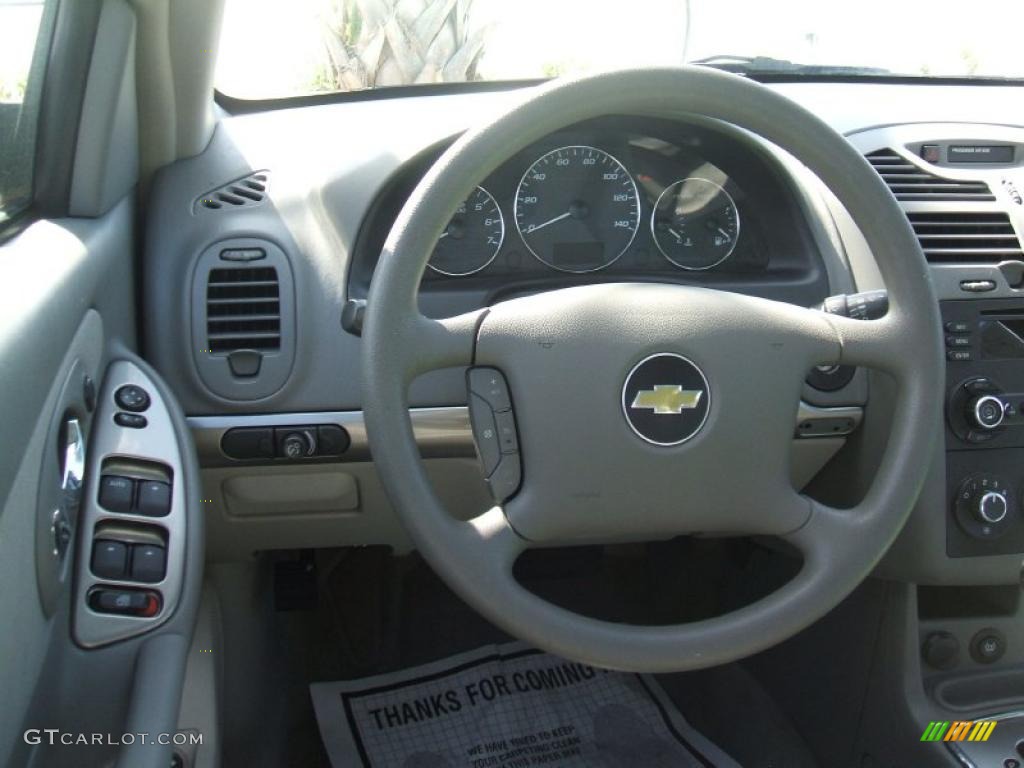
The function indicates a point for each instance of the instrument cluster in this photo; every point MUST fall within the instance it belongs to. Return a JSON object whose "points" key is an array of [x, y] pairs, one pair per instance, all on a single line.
{"points": [[589, 201]]}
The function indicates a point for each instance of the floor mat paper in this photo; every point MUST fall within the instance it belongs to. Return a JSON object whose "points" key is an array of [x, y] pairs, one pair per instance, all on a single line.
{"points": [[507, 706]]}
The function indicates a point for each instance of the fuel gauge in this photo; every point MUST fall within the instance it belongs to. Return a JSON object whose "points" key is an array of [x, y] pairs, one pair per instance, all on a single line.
{"points": [[695, 224]]}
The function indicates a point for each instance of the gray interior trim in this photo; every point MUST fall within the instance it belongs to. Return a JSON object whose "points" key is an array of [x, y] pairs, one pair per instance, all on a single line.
{"points": [[107, 159], [442, 432]]}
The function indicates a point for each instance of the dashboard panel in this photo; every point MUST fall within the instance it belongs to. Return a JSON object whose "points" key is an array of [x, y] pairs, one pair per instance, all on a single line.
{"points": [[620, 198]]}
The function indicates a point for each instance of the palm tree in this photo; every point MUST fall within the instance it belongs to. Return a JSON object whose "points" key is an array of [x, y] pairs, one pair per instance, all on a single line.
{"points": [[370, 43]]}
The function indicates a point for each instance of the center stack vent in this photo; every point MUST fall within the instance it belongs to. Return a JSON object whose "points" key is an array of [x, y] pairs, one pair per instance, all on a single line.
{"points": [[971, 237], [909, 182]]}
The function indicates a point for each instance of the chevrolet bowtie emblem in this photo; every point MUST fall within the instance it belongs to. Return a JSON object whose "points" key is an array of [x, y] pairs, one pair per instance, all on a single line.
{"points": [[667, 399]]}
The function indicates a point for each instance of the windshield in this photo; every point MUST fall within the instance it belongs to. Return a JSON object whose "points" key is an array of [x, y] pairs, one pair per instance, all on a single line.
{"points": [[277, 48]]}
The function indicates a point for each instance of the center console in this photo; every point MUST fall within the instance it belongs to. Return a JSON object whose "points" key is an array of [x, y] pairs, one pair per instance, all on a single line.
{"points": [[984, 426]]}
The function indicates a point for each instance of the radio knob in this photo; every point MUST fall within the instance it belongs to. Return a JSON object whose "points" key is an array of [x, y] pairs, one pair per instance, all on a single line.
{"points": [[991, 507], [986, 412]]}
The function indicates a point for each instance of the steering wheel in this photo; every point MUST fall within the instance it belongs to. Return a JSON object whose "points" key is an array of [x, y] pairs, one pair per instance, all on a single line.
{"points": [[572, 359]]}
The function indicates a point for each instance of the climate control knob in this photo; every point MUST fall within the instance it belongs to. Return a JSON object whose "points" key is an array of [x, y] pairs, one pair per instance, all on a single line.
{"points": [[991, 507], [986, 411], [984, 506]]}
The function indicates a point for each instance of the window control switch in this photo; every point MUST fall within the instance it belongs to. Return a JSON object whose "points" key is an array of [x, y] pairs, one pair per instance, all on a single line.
{"points": [[116, 493], [154, 498], [149, 563], [109, 559]]}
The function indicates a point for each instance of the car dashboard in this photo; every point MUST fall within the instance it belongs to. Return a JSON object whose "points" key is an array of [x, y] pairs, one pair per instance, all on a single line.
{"points": [[260, 253]]}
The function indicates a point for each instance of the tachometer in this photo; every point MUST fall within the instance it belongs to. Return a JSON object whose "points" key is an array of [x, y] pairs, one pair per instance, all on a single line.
{"points": [[695, 223], [472, 238], [577, 209]]}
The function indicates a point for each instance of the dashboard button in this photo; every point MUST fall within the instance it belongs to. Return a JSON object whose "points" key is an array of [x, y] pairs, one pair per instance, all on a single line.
{"points": [[958, 326], [132, 398], [116, 493], [957, 340], [333, 440], [248, 443], [149, 563], [154, 498], [959, 355], [130, 420], [109, 559]]}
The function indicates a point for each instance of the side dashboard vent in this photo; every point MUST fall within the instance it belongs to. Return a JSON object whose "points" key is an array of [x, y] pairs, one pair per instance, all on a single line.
{"points": [[908, 182], [243, 309], [241, 193], [966, 237]]}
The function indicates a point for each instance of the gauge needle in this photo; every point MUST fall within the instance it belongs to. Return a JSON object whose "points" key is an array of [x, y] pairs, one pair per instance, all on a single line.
{"points": [[443, 235], [676, 235], [565, 215], [724, 234]]}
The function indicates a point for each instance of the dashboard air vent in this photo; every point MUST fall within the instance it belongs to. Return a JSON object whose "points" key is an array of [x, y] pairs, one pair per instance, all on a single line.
{"points": [[240, 193], [243, 309], [966, 237], [909, 182]]}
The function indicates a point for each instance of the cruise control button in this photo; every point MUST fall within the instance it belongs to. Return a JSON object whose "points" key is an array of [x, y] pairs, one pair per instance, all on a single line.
{"points": [[506, 478], [154, 498], [116, 493], [149, 563], [131, 397], [490, 384], [486, 433], [109, 559], [507, 439]]}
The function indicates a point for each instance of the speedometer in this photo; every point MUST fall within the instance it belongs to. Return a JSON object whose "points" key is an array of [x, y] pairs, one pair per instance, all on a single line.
{"points": [[577, 209]]}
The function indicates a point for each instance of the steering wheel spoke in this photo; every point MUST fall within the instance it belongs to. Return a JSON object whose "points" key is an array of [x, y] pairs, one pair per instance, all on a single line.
{"points": [[430, 344], [878, 344]]}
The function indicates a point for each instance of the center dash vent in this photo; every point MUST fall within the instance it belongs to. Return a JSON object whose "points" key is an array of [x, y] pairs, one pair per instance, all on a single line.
{"points": [[966, 237], [244, 192], [243, 309], [909, 182]]}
